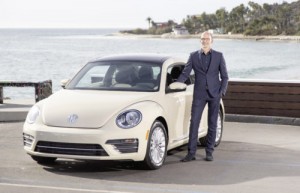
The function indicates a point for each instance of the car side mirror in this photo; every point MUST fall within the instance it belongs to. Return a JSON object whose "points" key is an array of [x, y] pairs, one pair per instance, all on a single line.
{"points": [[176, 87], [64, 82]]}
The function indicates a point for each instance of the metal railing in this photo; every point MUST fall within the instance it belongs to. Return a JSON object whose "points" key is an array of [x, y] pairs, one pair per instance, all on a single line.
{"points": [[42, 89]]}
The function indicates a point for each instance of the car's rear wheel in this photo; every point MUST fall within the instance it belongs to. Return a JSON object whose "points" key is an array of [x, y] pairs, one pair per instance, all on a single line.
{"points": [[203, 140], [157, 146], [43, 160]]}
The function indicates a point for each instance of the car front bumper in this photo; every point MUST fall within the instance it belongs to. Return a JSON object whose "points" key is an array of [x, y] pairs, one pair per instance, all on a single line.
{"points": [[106, 143]]}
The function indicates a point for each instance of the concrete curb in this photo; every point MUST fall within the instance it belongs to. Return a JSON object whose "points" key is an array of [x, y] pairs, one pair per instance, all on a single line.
{"points": [[13, 116], [15, 110], [262, 119]]}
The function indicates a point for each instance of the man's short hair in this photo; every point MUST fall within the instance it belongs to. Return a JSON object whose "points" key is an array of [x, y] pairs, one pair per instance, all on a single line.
{"points": [[209, 33]]}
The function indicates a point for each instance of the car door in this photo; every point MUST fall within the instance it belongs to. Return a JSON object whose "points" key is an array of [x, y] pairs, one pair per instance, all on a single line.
{"points": [[179, 105]]}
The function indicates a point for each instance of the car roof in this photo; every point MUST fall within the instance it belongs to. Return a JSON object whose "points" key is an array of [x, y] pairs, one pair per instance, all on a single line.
{"points": [[156, 58]]}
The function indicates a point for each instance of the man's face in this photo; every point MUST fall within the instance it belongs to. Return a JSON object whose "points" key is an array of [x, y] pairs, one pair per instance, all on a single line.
{"points": [[206, 41]]}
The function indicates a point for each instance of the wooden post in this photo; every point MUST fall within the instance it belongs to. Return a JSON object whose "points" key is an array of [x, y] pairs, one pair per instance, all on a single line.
{"points": [[1, 95], [43, 90]]}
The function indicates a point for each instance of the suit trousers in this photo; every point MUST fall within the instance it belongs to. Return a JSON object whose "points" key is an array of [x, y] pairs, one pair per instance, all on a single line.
{"points": [[197, 110]]}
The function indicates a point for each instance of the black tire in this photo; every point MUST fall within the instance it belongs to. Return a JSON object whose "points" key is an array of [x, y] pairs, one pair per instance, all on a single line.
{"points": [[44, 160], [157, 147], [203, 140]]}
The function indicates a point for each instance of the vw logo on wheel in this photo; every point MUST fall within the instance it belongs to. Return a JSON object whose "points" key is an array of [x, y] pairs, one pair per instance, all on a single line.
{"points": [[72, 118]]}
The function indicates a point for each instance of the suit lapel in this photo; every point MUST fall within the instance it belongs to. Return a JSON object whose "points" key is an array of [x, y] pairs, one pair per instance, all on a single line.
{"points": [[211, 60]]}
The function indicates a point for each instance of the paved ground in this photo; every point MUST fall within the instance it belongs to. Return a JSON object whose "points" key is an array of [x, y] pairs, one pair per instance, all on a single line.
{"points": [[252, 157]]}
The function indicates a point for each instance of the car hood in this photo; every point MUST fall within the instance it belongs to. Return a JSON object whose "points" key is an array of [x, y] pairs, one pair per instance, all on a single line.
{"points": [[87, 109]]}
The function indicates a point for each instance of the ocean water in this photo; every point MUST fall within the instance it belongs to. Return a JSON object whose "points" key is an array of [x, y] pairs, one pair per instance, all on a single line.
{"points": [[56, 54]]}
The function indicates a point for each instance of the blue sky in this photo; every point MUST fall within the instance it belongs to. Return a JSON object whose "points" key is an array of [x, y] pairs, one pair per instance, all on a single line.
{"points": [[106, 13]]}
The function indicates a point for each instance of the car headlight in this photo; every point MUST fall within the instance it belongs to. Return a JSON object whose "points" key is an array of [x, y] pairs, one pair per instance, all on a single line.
{"points": [[32, 114], [129, 119]]}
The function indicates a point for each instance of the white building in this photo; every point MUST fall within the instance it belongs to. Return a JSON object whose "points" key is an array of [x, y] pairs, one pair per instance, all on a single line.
{"points": [[180, 30]]}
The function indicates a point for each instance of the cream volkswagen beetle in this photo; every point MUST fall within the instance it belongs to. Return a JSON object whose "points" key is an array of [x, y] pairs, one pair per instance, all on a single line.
{"points": [[124, 107]]}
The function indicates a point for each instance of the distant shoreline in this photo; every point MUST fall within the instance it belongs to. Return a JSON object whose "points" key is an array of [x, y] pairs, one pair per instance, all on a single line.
{"points": [[216, 36]]}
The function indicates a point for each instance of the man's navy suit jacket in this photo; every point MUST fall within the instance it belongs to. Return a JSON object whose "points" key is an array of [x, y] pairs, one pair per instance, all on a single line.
{"points": [[214, 79]]}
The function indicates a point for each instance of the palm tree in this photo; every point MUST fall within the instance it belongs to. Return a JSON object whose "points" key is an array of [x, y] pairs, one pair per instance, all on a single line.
{"points": [[149, 21]]}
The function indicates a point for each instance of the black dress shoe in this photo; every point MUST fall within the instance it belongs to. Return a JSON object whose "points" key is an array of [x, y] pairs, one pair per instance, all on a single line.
{"points": [[188, 157], [209, 157]]}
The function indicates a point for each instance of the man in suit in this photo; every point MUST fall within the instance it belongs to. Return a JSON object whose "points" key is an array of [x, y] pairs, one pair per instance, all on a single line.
{"points": [[211, 81]]}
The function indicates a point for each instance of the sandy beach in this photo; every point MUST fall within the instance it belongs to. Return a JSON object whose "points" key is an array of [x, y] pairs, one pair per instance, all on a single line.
{"points": [[217, 36]]}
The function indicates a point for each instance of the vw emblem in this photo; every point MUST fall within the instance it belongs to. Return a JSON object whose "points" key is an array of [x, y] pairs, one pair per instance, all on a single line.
{"points": [[72, 118]]}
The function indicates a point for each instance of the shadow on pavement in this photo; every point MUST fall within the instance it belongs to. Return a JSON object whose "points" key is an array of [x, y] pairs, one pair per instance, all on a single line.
{"points": [[235, 162]]}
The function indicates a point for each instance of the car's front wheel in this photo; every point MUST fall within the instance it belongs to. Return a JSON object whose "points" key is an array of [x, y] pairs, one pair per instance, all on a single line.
{"points": [[203, 140], [157, 146], [43, 160]]}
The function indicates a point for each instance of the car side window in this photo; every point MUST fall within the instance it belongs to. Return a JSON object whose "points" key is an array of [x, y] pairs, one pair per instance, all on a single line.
{"points": [[174, 72]]}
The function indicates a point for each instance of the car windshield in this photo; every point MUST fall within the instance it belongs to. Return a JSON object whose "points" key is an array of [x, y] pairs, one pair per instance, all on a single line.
{"points": [[118, 75]]}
